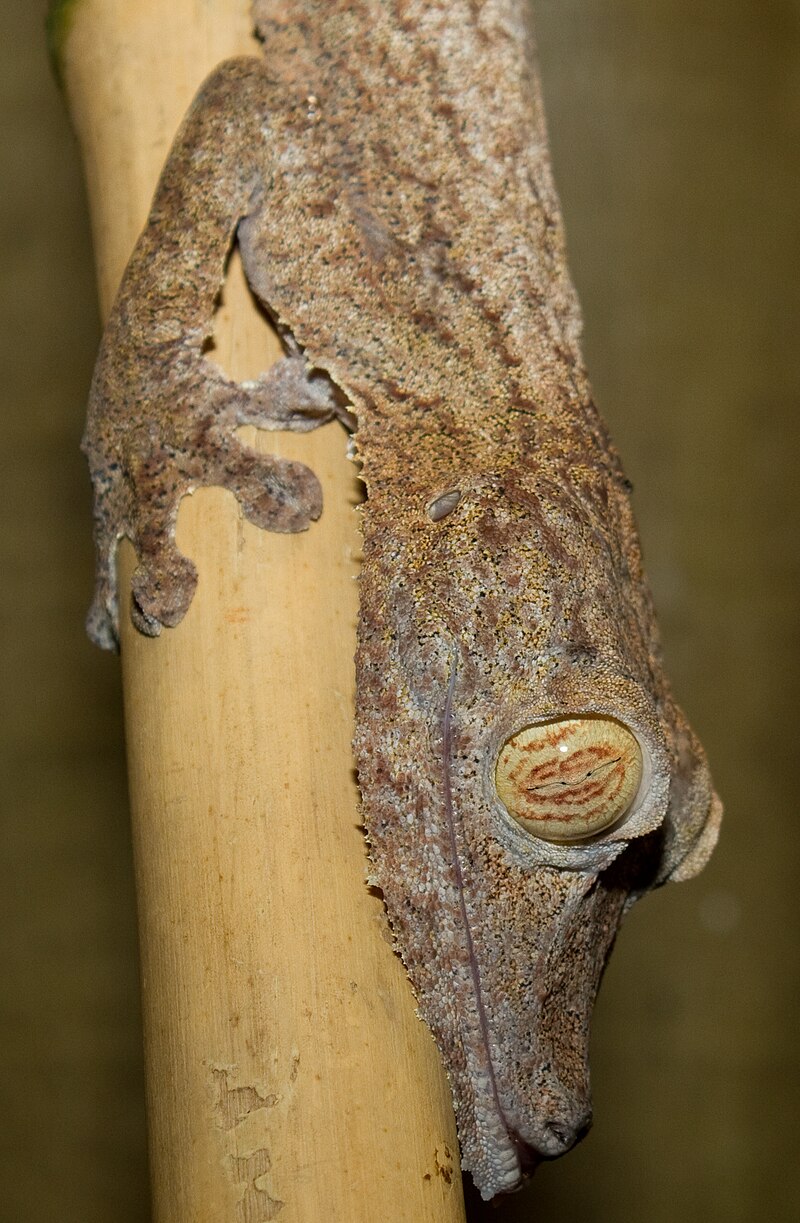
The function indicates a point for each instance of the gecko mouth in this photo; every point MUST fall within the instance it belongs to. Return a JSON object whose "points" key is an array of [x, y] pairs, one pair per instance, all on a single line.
{"points": [[529, 1157], [556, 1139]]}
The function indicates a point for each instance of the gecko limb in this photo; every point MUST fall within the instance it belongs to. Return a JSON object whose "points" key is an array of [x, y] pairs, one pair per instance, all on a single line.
{"points": [[163, 417]]}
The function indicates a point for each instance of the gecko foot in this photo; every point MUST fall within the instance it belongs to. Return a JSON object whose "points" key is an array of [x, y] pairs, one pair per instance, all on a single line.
{"points": [[182, 435], [275, 494]]}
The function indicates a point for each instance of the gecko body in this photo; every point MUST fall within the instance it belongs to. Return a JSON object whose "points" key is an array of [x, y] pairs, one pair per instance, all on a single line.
{"points": [[385, 172]]}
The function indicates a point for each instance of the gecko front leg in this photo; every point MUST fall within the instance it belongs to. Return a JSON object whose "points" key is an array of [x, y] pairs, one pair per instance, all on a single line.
{"points": [[162, 416]]}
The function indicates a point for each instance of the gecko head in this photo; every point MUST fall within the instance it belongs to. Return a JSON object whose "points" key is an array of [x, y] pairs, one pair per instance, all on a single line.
{"points": [[565, 803], [526, 776]]}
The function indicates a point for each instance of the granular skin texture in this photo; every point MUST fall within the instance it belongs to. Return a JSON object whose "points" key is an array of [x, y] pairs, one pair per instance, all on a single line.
{"points": [[385, 170]]}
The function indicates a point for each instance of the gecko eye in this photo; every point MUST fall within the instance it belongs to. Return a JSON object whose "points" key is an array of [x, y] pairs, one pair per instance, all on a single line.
{"points": [[570, 779]]}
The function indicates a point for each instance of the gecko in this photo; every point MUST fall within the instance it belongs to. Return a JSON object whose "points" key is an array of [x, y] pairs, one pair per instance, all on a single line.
{"points": [[525, 772]]}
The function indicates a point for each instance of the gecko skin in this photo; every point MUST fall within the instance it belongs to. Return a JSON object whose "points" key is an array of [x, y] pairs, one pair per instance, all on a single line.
{"points": [[385, 171]]}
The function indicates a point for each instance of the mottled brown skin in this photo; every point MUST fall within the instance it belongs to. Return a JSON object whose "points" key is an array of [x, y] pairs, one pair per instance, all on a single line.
{"points": [[386, 171]]}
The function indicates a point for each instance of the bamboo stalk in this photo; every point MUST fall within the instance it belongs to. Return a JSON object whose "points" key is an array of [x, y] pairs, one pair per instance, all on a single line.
{"points": [[287, 1072]]}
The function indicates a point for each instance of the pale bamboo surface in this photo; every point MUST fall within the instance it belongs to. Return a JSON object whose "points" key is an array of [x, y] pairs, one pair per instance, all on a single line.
{"points": [[287, 1073]]}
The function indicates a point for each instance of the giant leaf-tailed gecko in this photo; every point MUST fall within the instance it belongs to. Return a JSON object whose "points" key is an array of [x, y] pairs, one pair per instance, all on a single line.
{"points": [[525, 772]]}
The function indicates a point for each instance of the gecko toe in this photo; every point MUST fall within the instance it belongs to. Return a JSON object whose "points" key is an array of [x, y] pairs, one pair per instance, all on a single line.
{"points": [[162, 588], [102, 621], [277, 494]]}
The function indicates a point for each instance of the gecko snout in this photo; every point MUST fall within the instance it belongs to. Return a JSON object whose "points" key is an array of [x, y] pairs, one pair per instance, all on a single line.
{"points": [[558, 1118], [556, 1135], [561, 1136]]}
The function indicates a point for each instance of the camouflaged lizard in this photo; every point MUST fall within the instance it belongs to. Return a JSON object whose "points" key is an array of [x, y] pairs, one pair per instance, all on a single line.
{"points": [[525, 772]]}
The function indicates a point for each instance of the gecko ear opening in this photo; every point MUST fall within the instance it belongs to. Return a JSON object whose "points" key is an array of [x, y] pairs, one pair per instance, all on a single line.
{"points": [[570, 779]]}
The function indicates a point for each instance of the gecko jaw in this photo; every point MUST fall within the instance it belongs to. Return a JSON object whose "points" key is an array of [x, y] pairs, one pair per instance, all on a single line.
{"points": [[506, 1157]]}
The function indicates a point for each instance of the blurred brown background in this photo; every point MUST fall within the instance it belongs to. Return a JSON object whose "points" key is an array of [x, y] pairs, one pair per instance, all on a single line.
{"points": [[675, 127]]}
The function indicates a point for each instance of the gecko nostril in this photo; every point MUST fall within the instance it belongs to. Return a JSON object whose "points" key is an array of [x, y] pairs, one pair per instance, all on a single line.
{"points": [[560, 1136]]}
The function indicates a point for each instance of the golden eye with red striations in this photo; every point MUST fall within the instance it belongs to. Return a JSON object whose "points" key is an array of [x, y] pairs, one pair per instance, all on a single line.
{"points": [[567, 780]]}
